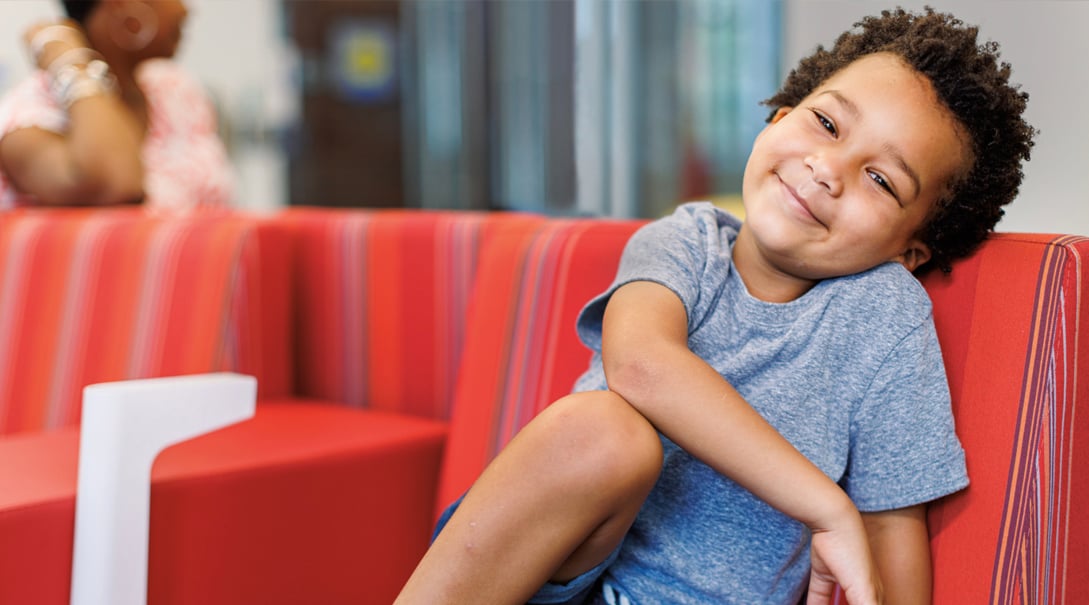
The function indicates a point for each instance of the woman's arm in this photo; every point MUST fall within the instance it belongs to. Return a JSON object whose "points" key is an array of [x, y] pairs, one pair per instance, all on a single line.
{"points": [[901, 547], [98, 160], [647, 362]]}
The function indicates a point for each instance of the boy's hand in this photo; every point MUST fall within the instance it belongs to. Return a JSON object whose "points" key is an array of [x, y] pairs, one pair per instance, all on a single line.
{"points": [[840, 554]]}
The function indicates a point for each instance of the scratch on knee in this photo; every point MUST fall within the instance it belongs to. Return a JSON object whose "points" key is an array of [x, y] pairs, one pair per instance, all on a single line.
{"points": [[470, 546]]}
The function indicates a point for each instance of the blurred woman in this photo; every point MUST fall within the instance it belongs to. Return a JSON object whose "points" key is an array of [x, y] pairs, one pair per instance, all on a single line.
{"points": [[108, 118]]}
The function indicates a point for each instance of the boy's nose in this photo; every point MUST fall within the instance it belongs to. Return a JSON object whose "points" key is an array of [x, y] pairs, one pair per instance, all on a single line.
{"points": [[825, 171]]}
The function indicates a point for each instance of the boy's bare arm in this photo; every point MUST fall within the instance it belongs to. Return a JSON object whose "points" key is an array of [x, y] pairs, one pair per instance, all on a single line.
{"points": [[647, 362], [901, 548]]}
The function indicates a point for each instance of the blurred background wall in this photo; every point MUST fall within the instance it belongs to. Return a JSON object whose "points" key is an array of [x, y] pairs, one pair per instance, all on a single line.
{"points": [[611, 107]]}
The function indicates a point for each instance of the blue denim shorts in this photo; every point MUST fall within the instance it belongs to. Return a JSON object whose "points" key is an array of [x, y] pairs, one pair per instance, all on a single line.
{"points": [[584, 589]]}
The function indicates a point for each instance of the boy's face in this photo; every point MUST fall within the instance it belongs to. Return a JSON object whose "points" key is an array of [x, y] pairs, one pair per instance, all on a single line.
{"points": [[844, 181]]}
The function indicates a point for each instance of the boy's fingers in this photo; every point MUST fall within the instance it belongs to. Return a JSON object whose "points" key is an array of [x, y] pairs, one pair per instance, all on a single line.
{"points": [[820, 591], [869, 596]]}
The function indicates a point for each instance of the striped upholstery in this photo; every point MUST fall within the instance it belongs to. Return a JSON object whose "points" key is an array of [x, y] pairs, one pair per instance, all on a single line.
{"points": [[522, 352], [1012, 322], [382, 296], [99, 295]]}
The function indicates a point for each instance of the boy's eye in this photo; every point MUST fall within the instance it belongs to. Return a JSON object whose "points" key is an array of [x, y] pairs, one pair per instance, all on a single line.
{"points": [[882, 182], [825, 123]]}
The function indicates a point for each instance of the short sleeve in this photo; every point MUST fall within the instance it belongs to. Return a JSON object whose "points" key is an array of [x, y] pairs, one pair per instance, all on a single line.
{"points": [[903, 447], [687, 252], [188, 162], [30, 105], [178, 97]]}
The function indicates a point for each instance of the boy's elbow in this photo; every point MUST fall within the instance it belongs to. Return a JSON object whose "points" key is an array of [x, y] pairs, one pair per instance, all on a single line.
{"points": [[633, 376]]}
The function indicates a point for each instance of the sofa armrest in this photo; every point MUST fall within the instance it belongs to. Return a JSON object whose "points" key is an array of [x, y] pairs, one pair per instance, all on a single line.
{"points": [[1013, 327]]}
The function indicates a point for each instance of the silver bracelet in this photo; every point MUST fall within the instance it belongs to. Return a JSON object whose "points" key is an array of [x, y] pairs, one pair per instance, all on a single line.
{"points": [[73, 82], [52, 33], [77, 55]]}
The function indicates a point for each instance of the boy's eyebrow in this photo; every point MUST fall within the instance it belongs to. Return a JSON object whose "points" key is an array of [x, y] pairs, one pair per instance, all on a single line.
{"points": [[898, 157], [847, 104], [895, 153]]}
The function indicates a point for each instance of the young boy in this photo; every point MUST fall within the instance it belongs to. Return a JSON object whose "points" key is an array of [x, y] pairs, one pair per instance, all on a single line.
{"points": [[754, 386]]}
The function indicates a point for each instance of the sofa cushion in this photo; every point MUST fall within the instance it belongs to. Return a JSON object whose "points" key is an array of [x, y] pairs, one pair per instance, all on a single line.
{"points": [[382, 297], [522, 352], [287, 507], [100, 295]]}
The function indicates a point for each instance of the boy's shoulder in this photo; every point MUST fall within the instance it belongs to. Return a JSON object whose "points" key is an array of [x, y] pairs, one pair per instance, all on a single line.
{"points": [[697, 224], [882, 297], [708, 211]]}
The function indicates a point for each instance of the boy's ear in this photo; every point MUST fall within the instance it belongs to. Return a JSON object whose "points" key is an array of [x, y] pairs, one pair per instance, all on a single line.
{"points": [[779, 113], [915, 255]]}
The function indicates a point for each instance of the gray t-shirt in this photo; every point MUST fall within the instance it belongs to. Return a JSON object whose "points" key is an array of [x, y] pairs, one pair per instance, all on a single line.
{"points": [[850, 373]]}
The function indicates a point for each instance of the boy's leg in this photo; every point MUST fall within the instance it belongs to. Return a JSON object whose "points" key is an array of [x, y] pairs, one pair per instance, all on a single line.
{"points": [[553, 505]]}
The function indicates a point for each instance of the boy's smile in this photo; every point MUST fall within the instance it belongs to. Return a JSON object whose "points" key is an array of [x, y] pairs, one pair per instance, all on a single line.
{"points": [[796, 198], [846, 180]]}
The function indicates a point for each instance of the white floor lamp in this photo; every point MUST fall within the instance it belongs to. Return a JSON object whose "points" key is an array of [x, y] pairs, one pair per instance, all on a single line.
{"points": [[123, 428]]}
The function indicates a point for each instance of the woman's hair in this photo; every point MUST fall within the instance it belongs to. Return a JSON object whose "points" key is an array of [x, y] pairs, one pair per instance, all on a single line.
{"points": [[972, 84], [78, 10]]}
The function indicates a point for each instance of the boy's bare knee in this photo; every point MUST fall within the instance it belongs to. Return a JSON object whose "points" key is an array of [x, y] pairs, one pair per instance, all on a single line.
{"points": [[612, 443]]}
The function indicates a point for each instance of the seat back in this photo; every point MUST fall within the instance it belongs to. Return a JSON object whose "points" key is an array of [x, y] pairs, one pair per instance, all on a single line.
{"points": [[522, 353], [381, 300], [100, 295], [1013, 321]]}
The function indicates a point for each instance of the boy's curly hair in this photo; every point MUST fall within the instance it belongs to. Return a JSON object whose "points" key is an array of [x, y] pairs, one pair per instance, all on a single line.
{"points": [[972, 83]]}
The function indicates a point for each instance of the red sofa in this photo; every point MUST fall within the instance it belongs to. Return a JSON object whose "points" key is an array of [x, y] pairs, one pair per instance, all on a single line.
{"points": [[379, 338], [276, 509], [355, 380], [94, 296], [1013, 321]]}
